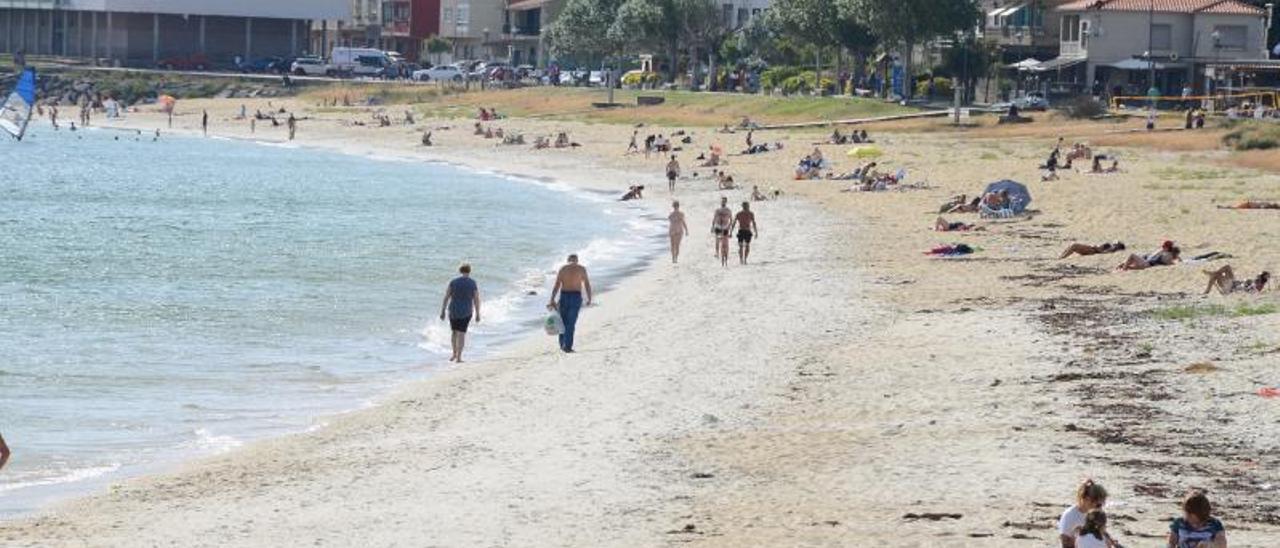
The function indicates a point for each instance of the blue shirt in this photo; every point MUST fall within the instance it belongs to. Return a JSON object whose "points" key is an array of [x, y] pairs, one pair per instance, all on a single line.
{"points": [[1189, 536], [463, 289]]}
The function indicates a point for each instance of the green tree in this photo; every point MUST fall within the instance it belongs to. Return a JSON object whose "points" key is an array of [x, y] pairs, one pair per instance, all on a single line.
{"points": [[435, 46], [969, 60], [907, 23], [583, 29]]}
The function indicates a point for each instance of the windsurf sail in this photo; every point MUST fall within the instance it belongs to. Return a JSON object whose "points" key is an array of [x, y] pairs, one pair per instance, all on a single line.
{"points": [[15, 112]]}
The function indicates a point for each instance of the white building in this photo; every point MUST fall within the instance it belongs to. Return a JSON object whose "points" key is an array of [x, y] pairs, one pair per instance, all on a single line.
{"points": [[143, 32]]}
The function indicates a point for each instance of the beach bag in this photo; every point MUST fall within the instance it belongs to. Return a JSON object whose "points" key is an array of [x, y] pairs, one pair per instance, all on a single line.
{"points": [[554, 325]]}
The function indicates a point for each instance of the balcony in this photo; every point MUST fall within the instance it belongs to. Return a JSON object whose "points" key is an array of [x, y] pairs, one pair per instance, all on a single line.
{"points": [[1072, 49], [395, 28]]}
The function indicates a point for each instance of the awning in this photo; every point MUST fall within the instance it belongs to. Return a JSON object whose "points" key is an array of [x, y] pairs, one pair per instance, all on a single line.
{"points": [[1025, 64], [1058, 63], [1010, 11], [526, 5], [1139, 64]]}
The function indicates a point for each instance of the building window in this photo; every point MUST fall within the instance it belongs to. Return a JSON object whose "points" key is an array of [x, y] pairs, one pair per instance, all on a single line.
{"points": [[1070, 28], [1162, 37], [726, 14], [743, 17], [1230, 36]]}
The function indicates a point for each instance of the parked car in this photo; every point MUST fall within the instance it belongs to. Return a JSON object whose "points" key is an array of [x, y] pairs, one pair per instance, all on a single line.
{"points": [[308, 66], [484, 69], [264, 64], [195, 61], [443, 73], [357, 62], [1031, 101]]}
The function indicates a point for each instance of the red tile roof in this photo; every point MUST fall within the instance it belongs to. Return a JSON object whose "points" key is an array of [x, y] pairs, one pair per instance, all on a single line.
{"points": [[1230, 7]]}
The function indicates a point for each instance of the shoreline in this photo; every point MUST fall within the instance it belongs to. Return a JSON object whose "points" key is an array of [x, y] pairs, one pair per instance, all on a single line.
{"points": [[479, 350]]}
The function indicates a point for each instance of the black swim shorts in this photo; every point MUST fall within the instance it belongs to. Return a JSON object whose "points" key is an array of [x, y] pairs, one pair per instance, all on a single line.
{"points": [[744, 236], [460, 325]]}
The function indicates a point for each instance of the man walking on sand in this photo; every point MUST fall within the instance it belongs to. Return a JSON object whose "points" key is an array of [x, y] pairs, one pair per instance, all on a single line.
{"points": [[673, 171], [720, 223], [461, 301], [570, 284], [745, 221], [4, 453], [204, 123]]}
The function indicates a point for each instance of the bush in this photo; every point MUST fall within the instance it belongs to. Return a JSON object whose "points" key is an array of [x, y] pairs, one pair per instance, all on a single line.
{"points": [[1249, 135], [636, 79], [806, 83], [1085, 107], [941, 87], [773, 78]]}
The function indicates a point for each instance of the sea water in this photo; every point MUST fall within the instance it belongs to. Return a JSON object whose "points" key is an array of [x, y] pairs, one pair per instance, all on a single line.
{"points": [[162, 299]]}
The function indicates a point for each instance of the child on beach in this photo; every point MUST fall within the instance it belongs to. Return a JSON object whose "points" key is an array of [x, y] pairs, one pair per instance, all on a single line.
{"points": [[1197, 528], [1093, 534], [1089, 496]]}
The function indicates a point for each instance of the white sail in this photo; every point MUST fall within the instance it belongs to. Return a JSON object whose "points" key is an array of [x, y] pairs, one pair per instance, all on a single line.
{"points": [[15, 112]]}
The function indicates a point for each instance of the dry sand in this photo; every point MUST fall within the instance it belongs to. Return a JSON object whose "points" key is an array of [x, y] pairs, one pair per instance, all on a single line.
{"points": [[843, 390]]}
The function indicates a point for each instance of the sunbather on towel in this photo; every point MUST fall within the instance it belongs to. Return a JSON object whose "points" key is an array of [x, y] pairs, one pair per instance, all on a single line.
{"points": [[1252, 204], [1167, 255], [1085, 250], [941, 225], [1224, 279], [955, 250]]}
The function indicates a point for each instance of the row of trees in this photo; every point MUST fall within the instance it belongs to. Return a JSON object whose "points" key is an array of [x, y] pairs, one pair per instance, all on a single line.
{"points": [[789, 32]]}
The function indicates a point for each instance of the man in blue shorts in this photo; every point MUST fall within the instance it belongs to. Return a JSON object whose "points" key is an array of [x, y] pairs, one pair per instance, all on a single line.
{"points": [[461, 301]]}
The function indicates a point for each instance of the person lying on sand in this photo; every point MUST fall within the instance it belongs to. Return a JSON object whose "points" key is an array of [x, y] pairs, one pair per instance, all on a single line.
{"points": [[1252, 204], [941, 225], [972, 206], [1168, 255], [636, 193], [1084, 250], [1225, 280]]}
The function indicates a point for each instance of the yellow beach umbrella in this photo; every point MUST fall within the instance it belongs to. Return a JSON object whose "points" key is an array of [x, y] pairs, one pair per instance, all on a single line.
{"points": [[865, 152]]}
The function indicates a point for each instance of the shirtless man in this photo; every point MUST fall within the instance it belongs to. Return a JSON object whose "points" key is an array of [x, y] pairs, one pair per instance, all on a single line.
{"points": [[720, 223], [4, 452], [673, 172], [570, 283], [745, 221]]}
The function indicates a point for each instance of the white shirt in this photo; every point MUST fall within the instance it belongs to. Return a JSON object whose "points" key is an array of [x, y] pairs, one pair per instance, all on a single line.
{"points": [[1070, 522], [1090, 541]]}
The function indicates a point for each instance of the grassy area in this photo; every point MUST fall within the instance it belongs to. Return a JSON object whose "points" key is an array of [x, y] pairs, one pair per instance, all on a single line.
{"points": [[1188, 174], [1250, 135], [1192, 312], [679, 108]]}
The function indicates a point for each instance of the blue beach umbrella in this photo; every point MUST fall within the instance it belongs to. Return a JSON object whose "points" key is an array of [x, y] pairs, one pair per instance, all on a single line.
{"points": [[1018, 193]]}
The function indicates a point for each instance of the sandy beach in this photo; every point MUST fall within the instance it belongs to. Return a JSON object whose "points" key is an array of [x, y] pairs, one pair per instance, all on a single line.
{"points": [[844, 389]]}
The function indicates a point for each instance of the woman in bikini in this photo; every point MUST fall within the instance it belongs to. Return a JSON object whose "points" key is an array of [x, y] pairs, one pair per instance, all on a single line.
{"points": [[1225, 280], [1084, 250], [1167, 255], [677, 229]]}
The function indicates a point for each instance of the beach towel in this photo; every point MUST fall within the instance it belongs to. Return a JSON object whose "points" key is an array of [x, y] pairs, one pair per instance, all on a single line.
{"points": [[1269, 392], [957, 250]]}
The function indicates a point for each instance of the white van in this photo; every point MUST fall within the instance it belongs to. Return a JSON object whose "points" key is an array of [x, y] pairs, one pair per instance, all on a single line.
{"points": [[357, 62]]}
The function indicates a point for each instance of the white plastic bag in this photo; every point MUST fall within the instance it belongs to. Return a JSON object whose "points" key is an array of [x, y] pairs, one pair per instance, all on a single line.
{"points": [[554, 324]]}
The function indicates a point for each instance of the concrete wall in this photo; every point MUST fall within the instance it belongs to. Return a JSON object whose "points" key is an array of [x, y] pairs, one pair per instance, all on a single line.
{"points": [[1256, 47], [131, 37], [283, 9]]}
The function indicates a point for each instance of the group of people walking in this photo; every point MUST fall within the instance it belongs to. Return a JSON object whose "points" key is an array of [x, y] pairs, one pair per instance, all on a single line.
{"points": [[723, 224]]}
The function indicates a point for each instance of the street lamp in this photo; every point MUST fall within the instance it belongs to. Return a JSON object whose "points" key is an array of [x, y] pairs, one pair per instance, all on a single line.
{"points": [[1217, 47], [1152, 92]]}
